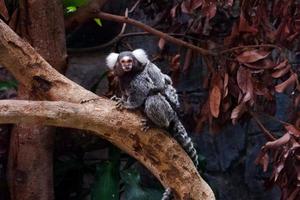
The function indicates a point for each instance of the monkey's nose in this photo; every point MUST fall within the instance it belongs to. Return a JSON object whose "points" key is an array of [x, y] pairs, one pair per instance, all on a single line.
{"points": [[127, 67]]}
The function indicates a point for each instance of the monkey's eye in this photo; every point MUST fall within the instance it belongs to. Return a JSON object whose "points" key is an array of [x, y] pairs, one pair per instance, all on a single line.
{"points": [[129, 61], [122, 61]]}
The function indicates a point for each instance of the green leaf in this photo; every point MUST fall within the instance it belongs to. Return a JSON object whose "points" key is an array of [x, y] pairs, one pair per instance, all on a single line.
{"points": [[5, 85], [98, 21], [134, 191], [75, 3], [71, 9], [106, 185]]}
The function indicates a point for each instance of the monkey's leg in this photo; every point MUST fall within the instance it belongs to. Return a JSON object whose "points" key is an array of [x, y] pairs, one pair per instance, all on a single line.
{"points": [[159, 111], [146, 124], [115, 98]]}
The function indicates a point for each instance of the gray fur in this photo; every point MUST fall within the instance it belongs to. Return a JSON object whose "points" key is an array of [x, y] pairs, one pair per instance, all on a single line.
{"points": [[147, 88]]}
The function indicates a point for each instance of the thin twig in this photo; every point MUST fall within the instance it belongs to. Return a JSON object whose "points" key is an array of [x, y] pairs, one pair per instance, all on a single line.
{"points": [[275, 119], [269, 136], [123, 35], [156, 32], [134, 6], [250, 46], [181, 35]]}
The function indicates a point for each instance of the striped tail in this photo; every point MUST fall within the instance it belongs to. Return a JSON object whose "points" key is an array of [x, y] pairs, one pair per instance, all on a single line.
{"points": [[181, 136], [167, 194]]}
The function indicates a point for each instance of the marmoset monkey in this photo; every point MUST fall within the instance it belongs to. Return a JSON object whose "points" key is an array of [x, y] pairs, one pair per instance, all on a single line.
{"points": [[143, 86]]}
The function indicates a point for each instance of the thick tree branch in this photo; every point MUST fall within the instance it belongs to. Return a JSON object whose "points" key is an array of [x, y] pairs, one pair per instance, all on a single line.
{"points": [[30, 69], [157, 151]]}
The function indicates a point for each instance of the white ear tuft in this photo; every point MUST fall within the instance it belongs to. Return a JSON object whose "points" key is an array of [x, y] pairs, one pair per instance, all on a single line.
{"points": [[111, 60], [140, 55]]}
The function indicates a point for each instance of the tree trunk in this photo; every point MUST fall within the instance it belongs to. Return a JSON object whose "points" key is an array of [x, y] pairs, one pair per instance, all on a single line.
{"points": [[30, 168]]}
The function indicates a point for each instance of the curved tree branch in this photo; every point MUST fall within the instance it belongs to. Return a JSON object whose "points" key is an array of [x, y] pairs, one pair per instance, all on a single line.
{"points": [[168, 162], [161, 154]]}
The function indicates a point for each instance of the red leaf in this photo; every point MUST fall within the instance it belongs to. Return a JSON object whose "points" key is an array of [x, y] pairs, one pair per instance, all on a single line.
{"points": [[290, 81], [252, 56], [3, 10], [261, 64], [263, 160], [209, 8], [281, 72], [261, 89], [174, 67], [196, 4], [185, 7], [279, 142], [215, 101], [188, 6], [175, 62], [161, 43], [234, 33], [237, 112], [225, 86], [281, 64], [293, 130], [228, 3], [244, 81], [174, 11], [245, 27]]}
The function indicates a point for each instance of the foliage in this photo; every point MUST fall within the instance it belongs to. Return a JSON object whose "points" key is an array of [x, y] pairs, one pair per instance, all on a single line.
{"points": [[5, 85], [71, 6], [74, 3], [133, 189], [284, 153], [99, 178], [253, 46], [106, 185]]}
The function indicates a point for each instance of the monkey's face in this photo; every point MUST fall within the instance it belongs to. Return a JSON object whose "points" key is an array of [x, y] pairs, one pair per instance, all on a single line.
{"points": [[126, 63]]}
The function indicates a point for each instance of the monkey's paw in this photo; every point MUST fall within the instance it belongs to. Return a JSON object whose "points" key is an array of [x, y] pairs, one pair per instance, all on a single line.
{"points": [[145, 125], [115, 98], [120, 105]]}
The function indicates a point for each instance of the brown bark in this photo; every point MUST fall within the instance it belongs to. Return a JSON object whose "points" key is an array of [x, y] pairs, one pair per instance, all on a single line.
{"points": [[30, 168], [156, 150]]}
